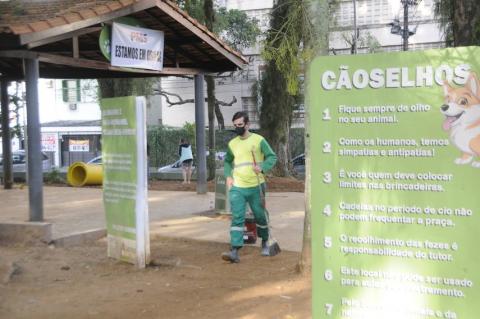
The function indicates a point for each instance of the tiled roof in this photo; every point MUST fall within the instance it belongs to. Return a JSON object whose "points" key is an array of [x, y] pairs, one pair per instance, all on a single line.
{"points": [[45, 28], [26, 16]]}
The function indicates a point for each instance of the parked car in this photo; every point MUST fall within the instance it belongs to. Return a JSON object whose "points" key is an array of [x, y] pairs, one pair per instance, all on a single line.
{"points": [[96, 160], [298, 163], [19, 159], [219, 156], [173, 168], [177, 166]]}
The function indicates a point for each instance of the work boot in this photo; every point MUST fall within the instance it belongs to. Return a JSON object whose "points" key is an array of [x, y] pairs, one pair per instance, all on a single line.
{"points": [[265, 250], [231, 256]]}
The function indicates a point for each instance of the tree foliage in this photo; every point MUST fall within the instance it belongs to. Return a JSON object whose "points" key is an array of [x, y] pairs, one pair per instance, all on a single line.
{"points": [[125, 87], [460, 20], [366, 40], [275, 115], [236, 28], [287, 41], [17, 102], [287, 48]]}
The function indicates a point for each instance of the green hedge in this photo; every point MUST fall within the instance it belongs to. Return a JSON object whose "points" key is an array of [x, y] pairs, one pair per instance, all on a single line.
{"points": [[163, 142]]}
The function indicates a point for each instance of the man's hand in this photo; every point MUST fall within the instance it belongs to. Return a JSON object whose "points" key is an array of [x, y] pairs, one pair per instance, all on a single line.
{"points": [[229, 182], [257, 169]]}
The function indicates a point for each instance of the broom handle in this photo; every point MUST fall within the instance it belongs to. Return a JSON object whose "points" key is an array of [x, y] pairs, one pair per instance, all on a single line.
{"points": [[262, 197]]}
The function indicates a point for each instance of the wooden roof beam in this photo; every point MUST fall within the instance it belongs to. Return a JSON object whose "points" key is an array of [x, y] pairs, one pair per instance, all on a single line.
{"points": [[65, 36], [94, 64]]}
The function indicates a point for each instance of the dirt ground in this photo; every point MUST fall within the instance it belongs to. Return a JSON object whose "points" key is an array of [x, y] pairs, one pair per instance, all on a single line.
{"points": [[189, 280], [274, 184]]}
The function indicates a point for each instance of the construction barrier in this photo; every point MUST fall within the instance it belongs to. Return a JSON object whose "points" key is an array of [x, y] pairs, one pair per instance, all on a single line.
{"points": [[81, 174]]}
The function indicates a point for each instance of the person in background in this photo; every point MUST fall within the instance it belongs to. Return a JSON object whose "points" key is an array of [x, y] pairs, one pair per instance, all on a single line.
{"points": [[186, 160], [248, 158]]}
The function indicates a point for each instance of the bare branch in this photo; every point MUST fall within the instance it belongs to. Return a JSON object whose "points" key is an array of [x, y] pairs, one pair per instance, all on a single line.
{"points": [[167, 95], [226, 76], [221, 103], [181, 101]]}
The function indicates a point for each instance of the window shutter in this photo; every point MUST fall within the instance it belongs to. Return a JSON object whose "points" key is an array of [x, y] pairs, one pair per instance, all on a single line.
{"points": [[79, 91], [65, 90]]}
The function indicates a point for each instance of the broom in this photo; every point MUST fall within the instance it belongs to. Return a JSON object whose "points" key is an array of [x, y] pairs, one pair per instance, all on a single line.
{"points": [[272, 244]]}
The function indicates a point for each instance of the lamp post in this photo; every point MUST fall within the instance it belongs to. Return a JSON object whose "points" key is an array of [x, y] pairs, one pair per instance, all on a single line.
{"points": [[354, 27], [404, 32]]}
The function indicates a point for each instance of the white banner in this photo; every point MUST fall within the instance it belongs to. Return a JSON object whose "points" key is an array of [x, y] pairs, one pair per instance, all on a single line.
{"points": [[136, 47], [49, 142], [79, 146]]}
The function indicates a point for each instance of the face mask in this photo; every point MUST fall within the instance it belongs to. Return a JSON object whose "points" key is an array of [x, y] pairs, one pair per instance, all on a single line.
{"points": [[240, 130]]}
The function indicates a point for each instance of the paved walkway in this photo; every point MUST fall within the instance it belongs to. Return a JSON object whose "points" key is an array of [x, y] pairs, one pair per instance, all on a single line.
{"points": [[172, 214]]}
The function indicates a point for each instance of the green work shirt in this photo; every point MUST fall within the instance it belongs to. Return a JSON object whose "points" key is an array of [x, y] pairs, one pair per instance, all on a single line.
{"points": [[240, 158]]}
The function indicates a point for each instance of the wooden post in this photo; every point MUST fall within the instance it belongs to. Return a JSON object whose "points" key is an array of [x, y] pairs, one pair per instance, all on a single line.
{"points": [[200, 135], [34, 147]]}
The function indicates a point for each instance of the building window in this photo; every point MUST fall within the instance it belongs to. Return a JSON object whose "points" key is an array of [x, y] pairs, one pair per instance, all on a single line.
{"points": [[71, 91]]}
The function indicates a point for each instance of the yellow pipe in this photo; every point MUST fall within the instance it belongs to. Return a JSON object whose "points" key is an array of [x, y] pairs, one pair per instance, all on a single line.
{"points": [[81, 174]]}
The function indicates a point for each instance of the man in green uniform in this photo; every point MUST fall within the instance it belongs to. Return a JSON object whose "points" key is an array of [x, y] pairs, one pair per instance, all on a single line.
{"points": [[248, 157]]}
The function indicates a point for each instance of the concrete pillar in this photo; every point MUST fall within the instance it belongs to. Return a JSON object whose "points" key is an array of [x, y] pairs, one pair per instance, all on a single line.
{"points": [[200, 135], [34, 147], [6, 137]]}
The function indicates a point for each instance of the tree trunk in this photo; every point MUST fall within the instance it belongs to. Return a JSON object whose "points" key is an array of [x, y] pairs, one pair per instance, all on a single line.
{"points": [[209, 19], [466, 22], [219, 115], [282, 149], [18, 106], [320, 20], [211, 127], [275, 116], [115, 87]]}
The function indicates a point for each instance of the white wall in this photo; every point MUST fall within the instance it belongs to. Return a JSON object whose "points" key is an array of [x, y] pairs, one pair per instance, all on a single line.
{"points": [[425, 33], [177, 115], [246, 4], [53, 108], [15, 145], [373, 17]]}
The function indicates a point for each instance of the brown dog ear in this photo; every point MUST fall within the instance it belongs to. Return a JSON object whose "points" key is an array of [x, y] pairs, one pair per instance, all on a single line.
{"points": [[474, 84]]}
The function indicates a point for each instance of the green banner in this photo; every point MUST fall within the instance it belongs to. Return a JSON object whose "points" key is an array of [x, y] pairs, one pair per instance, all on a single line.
{"points": [[124, 178], [395, 169]]}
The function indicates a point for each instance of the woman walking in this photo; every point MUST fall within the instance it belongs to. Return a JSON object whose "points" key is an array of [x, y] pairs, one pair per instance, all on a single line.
{"points": [[186, 159]]}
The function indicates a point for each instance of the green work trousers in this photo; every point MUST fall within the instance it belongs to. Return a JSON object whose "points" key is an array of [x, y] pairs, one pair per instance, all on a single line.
{"points": [[239, 197]]}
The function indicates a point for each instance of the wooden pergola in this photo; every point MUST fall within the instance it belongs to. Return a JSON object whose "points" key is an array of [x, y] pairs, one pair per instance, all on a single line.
{"points": [[65, 44]]}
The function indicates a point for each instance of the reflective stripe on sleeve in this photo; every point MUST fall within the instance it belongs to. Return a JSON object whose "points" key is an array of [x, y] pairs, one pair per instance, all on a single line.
{"points": [[246, 164]]}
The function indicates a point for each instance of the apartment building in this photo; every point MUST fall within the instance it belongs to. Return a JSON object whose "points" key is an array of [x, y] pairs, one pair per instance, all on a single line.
{"points": [[73, 102], [373, 19]]}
